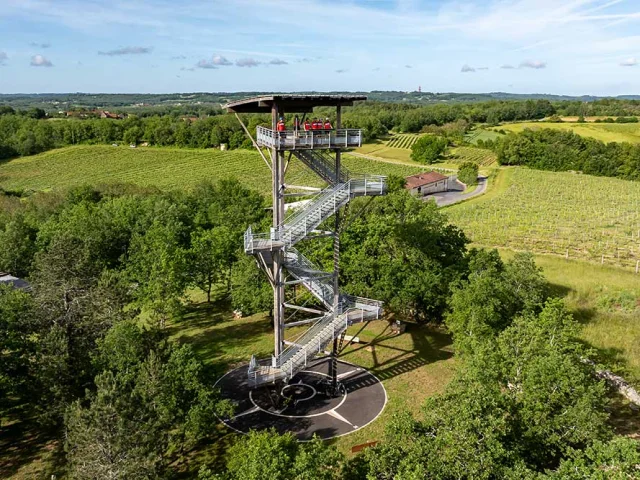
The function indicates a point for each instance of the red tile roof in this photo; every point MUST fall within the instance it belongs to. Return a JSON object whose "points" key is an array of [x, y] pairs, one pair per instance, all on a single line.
{"points": [[422, 179]]}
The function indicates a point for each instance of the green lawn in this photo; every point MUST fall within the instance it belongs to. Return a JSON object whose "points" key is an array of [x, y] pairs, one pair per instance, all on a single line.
{"points": [[166, 168], [481, 134], [606, 132], [412, 366]]}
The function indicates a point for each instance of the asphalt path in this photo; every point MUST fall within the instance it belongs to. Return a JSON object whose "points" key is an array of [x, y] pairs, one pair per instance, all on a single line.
{"points": [[444, 199]]}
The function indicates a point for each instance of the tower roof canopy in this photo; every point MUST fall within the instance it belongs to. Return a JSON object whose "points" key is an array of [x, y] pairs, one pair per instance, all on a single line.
{"points": [[291, 103]]}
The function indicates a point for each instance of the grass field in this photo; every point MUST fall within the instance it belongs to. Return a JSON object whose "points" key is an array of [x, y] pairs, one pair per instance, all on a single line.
{"points": [[166, 168], [606, 132], [577, 216], [481, 156], [481, 134]]}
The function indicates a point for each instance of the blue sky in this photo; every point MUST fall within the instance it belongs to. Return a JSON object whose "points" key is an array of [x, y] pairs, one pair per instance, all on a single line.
{"points": [[156, 46]]}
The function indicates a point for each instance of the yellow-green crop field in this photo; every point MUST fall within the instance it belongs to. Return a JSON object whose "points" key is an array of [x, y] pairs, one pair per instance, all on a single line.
{"points": [[576, 216], [403, 140], [166, 168], [605, 132]]}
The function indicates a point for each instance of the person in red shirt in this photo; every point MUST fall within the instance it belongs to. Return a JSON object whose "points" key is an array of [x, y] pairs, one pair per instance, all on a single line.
{"points": [[307, 125], [327, 125], [282, 127]]}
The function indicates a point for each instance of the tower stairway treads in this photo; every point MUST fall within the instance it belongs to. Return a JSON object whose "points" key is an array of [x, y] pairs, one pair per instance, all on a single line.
{"points": [[322, 164]]}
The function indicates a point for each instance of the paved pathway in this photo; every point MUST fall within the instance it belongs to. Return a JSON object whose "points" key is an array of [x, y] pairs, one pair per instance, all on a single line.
{"points": [[444, 199]]}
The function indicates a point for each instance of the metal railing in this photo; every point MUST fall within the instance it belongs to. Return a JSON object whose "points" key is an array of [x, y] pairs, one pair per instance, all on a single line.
{"points": [[312, 139]]}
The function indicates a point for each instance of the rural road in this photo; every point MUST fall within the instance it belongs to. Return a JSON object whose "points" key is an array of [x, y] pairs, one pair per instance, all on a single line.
{"points": [[444, 199]]}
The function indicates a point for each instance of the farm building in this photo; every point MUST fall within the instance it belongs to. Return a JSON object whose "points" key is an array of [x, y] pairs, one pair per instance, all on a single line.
{"points": [[15, 282], [425, 183]]}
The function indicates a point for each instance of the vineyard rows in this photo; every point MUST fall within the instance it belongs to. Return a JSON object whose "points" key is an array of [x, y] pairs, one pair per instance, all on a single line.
{"points": [[575, 216], [166, 168], [480, 156], [403, 140]]}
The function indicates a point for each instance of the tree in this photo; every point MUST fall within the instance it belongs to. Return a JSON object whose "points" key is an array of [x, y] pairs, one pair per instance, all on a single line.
{"points": [[402, 251], [428, 148], [17, 343], [617, 459], [266, 454], [151, 403], [251, 291], [19, 246], [133, 135], [158, 263], [468, 173]]}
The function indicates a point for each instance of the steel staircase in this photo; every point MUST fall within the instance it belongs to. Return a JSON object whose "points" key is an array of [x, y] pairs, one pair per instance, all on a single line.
{"points": [[348, 309], [321, 162]]}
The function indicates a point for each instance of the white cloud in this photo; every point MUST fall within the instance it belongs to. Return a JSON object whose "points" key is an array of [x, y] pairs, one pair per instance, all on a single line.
{"points": [[507, 67], [408, 66], [220, 60], [127, 51], [40, 45], [466, 69], [40, 61], [629, 62], [341, 70], [247, 62], [3, 57], [535, 64], [482, 68], [277, 61], [207, 64]]}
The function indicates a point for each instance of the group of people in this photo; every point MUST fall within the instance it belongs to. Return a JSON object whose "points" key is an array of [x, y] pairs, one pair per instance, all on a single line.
{"points": [[315, 124]]}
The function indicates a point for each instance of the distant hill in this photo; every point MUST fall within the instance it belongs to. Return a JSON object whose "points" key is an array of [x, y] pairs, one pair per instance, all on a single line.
{"points": [[65, 101]]}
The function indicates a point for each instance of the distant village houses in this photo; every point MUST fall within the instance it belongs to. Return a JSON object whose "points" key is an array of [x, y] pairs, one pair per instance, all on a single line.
{"points": [[115, 116]]}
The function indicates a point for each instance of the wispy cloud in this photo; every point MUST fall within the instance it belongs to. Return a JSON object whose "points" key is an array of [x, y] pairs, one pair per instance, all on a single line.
{"points": [[629, 62], [277, 61], [507, 67], [3, 57], [482, 68], [466, 69], [408, 66], [179, 57], [127, 51], [247, 62], [341, 70], [39, 45], [40, 61], [535, 64]]}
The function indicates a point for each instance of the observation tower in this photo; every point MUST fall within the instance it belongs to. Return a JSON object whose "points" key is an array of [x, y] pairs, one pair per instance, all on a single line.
{"points": [[284, 265]]}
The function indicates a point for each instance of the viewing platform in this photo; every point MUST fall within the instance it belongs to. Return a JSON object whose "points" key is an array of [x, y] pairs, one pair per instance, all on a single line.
{"points": [[309, 140]]}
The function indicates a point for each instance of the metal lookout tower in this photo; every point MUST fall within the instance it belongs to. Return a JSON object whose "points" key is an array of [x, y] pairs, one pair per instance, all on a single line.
{"points": [[275, 252]]}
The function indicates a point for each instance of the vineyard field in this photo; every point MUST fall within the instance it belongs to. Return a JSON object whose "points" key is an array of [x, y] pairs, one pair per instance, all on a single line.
{"points": [[481, 156], [605, 132], [166, 168], [403, 140], [575, 216]]}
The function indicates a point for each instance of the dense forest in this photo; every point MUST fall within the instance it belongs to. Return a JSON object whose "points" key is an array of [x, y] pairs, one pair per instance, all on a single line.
{"points": [[86, 357], [27, 132], [557, 150]]}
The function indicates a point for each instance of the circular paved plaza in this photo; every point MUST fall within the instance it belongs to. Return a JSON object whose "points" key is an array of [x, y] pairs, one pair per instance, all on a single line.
{"points": [[304, 406]]}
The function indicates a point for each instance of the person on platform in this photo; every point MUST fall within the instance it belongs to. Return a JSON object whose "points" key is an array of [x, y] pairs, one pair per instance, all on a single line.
{"points": [[296, 125], [282, 131], [307, 125], [327, 125]]}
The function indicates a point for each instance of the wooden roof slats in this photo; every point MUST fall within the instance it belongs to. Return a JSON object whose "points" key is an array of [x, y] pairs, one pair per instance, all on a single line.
{"points": [[291, 103]]}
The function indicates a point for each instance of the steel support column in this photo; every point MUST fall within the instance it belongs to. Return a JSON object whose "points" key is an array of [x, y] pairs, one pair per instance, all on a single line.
{"points": [[336, 266], [277, 159]]}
